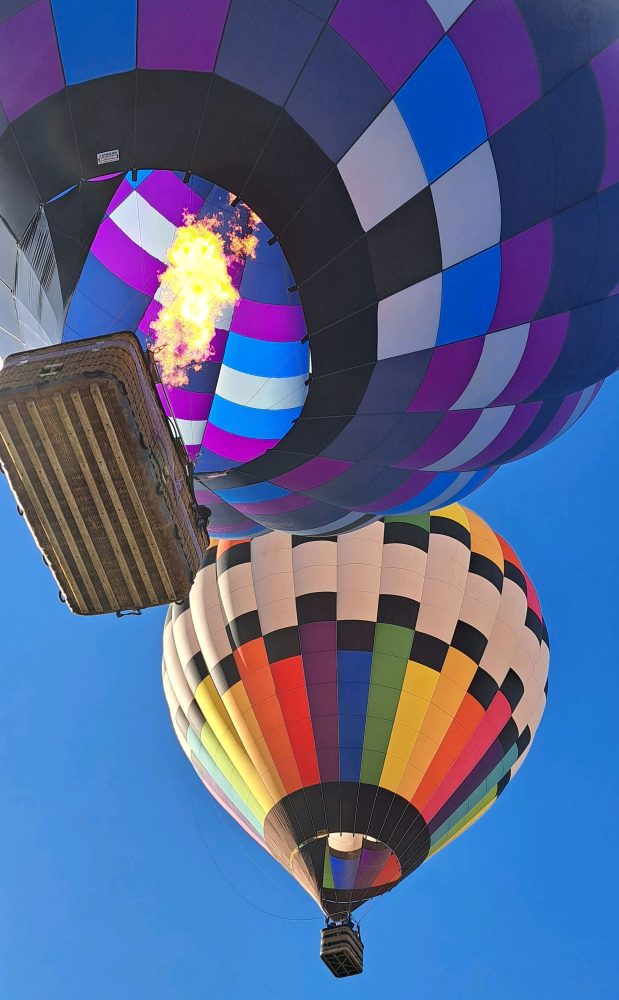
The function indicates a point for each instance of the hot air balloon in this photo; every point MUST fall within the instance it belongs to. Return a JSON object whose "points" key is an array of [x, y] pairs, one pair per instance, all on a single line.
{"points": [[440, 177], [356, 702]]}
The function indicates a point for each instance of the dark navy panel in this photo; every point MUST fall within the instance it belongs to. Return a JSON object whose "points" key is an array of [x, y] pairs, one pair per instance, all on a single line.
{"points": [[394, 383], [524, 158], [291, 166], [568, 33], [338, 394], [405, 247], [578, 362], [10, 7], [361, 436], [19, 199], [234, 130], [575, 249], [265, 45], [343, 287], [96, 39], [411, 431], [337, 96], [176, 101], [576, 118], [47, 141], [604, 275], [103, 115], [350, 342], [325, 225]]}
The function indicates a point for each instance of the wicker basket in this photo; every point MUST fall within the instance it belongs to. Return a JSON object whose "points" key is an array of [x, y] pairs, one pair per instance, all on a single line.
{"points": [[92, 462]]}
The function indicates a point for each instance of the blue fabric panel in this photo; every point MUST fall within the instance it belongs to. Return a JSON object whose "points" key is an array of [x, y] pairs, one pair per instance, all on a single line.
{"points": [[95, 39], [575, 234], [344, 872], [256, 493], [353, 667], [524, 158], [265, 283], [441, 109], [249, 422], [423, 500], [208, 462], [102, 303], [470, 293], [576, 118], [259, 357], [350, 762], [141, 175]]}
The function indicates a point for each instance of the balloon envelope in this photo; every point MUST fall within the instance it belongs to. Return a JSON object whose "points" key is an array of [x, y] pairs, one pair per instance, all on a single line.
{"points": [[442, 180], [357, 702]]}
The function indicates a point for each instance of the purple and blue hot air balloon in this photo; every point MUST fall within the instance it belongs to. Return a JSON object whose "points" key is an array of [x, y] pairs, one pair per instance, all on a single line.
{"points": [[441, 178]]}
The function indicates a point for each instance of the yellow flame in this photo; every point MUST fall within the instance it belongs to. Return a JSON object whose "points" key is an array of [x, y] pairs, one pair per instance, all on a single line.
{"points": [[196, 290]]}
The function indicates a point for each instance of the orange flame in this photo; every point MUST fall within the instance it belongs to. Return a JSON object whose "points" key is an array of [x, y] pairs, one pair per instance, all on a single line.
{"points": [[196, 290]]}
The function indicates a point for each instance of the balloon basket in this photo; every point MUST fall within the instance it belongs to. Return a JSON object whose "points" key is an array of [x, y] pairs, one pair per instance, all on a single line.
{"points": [[341, 949]]}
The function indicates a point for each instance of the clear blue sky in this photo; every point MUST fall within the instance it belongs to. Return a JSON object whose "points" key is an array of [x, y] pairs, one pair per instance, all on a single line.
{"points": [[108, 890]]}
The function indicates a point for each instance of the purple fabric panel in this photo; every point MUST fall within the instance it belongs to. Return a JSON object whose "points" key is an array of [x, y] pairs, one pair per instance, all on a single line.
{"points": [[556, 425], [526, 264], [279, 505], [169, 196], [30, 67], [102, 177], [606, 69], [239, 449], [546, 338], [123, 191], [152, 311], [496, 47], [519, 422], [186, 405], [311, 474], [226, 519], [181, 35], [235, 270], [448, 375], [480, 772], [263, 321], [126, 259], [452, 429], [193, 450], [393, 36], [319, 652], [413, 485]]}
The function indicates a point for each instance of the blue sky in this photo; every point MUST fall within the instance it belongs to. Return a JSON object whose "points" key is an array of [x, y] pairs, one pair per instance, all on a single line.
{"points": [[110, 890]]}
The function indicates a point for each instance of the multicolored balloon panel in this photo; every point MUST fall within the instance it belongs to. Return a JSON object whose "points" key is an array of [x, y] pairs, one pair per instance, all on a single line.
{"points": [[357, 702], [442, 177]]}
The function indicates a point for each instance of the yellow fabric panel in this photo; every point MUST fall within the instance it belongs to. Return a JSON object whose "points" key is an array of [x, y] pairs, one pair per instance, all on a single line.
{"points": [[226, 735], [250, 734], [458, 667], [420, 680], [415, 698], [410, 780], [423, 752], [455, 513]]}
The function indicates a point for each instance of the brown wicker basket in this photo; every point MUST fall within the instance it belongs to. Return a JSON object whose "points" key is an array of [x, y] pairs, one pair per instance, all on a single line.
{"points": [[92, 461]]}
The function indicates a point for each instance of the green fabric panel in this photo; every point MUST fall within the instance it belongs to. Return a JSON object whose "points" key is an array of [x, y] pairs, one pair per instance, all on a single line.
{"points": [[422, 520], [393, 640], [392, 645], [327, 875]]}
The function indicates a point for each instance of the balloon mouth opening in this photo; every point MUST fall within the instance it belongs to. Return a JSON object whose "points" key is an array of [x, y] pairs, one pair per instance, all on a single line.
{"points": [[199, 276]]}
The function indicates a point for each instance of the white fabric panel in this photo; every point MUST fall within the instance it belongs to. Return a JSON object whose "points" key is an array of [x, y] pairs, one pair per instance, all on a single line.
{"points": [[30, 330], [489, 425], [468, 207], [383, 169], [27, 287], [8, 255], [8, 315], [449, 11], [144, 225], [408, 321], [191, 431], [500, 357], [260, 392]]}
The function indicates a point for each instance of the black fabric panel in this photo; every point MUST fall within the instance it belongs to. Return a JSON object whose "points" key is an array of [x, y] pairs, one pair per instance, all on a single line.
{"points": [[325, 225], [282, 644], [429, 650], [195, 717], [236, 555], [484, 567], [288, 171], [356, 635], [306, 437], [412, 226], [302, 539], [210, 557], [503, 783], [453, 529], [393, 609], [516, 575], [319, 607], [469, 640], [524, 158], [406, 534], [523, 740], [534, 624], [234, 130], [225, 673], [345, 286], [168, 113], [244, 628], [347, 344], [46, 138], [568, 33], [19, 199], [483, 688], [103, 113], [513, 688], [339, 394], [73, 222], [508, 736]]}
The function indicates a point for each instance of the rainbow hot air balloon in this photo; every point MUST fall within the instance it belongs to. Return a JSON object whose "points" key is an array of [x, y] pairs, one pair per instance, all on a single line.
{"points": [[356, 702]]}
